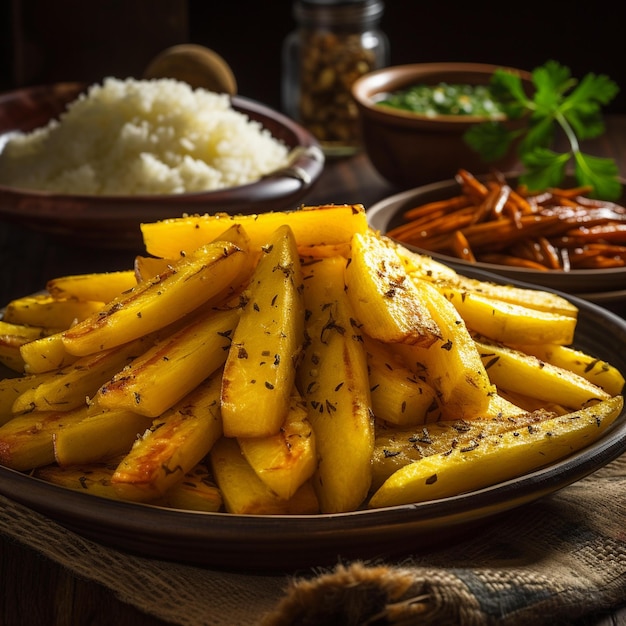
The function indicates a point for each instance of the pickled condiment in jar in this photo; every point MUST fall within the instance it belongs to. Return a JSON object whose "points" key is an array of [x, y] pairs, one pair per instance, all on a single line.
{"points": [[336, 42]]}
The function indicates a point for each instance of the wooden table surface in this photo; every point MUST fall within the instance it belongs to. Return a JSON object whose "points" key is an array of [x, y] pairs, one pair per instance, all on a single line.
{"points": [[38, 591]]}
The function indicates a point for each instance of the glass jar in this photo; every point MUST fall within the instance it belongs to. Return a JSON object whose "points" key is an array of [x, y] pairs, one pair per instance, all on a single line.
{"points": [[336, 42]]}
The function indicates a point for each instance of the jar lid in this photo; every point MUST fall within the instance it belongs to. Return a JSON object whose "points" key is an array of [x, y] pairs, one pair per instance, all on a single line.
{"points": [[338, 12]]}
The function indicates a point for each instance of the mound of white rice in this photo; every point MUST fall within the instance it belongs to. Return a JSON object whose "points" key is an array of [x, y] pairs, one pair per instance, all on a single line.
{"points": [[142, 137]]}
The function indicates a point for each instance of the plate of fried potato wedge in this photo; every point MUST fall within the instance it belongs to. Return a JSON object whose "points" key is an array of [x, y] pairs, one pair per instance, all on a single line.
{"points": [[263, 393]]}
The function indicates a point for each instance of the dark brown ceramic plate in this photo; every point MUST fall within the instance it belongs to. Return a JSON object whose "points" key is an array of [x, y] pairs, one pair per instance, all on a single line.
{"points": [[272, 543], [113, 222], [588, 284]]}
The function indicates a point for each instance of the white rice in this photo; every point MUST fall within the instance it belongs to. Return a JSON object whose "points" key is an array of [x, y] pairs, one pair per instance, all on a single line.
{"points": [[142, 137]]}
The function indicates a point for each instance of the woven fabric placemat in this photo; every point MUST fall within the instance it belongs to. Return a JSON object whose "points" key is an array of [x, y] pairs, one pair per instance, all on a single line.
{"points": [[552, 562]]}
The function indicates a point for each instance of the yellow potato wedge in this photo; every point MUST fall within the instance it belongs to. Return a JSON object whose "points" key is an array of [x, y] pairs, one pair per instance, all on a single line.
{"points": [[500, 407], [285, 461], [170, 369], [398, 395], [12, 388], [526, 374], [334, 382], [423, 267], [396, 447], [596, 371], [384, 299], [73, 386], [98, 287], [497, 458], [174, 444], [44, 310], [536, 299], [529, 403], [93, 479], [147, 267], [452, 365], [196, 492], [46, 354], [13, 337], [172, 237], [244, 493], [26, 441], [260, 368], [156, 303], [508, 322], [98, 437]]}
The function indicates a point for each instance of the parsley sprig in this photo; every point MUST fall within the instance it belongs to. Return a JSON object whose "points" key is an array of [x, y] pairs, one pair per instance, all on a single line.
{"points": [[558, 102]]}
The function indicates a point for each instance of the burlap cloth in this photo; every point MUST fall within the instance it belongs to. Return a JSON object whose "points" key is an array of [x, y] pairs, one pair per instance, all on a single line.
{"points": [[553, 562]]}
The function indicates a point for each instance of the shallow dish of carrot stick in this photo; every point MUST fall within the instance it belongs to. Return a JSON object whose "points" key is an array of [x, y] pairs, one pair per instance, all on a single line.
{"points": [[557, 238]]}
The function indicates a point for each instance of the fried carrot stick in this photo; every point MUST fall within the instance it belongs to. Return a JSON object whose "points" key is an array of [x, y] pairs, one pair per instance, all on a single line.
{"points": [[554, 228]]}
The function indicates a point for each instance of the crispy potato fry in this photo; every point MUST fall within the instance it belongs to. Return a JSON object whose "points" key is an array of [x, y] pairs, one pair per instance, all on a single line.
{"points": [[170, 369], [44, 310], [95, 287], [334, 383], [496, 458], [13, 337], [452, 365], [100, 436], [286, 460], [46, 354], [529, 403], [502, 407], [512, 370], [396, 447], [196, 492], [171, 237], [175, 443], [197, 278], [13, 387], [423, 267], [93, 479], [260, 368], [72, 387], [595, 370], [507, 322], [384, 299], [26, 441], [398, 396], [244, 493], [534, 299], [147, 267]]}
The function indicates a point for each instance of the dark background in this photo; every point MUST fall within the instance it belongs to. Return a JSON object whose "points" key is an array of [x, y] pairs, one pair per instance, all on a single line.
{"points": [[47, 41]]}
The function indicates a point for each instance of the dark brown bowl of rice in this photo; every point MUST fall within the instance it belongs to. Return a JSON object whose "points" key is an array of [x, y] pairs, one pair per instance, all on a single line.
{"points": [[94, 162]]}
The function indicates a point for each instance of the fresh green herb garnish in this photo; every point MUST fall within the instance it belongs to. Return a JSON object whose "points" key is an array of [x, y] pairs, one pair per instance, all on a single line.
{"points": [[559, 101]]}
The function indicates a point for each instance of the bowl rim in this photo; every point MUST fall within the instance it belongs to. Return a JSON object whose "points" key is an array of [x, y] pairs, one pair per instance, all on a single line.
{"points": [[304, 166], [396, 77]]}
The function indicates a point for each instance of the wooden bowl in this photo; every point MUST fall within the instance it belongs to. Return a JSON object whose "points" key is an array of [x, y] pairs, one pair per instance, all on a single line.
{"points": [[410, 149], [113, 221]]}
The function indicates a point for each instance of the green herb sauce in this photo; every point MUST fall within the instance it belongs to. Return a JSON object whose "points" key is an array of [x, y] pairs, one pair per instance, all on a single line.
{"points": [[445, 99]]}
